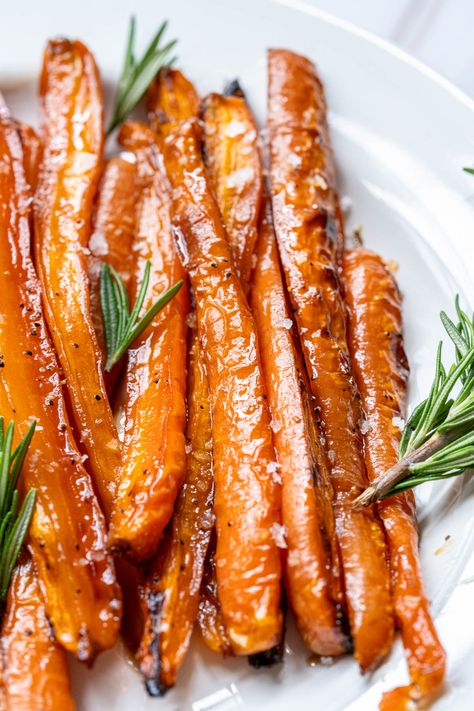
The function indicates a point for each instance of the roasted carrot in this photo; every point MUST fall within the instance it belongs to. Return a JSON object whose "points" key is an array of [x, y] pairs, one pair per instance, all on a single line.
{"points": [[67, 534], [308, 233], [31, 145], [307, 561], [246, 496], [177, 574], [113, 228], [153, 457], [171, 594], [380, 368], [35, 671], [171, 99], [234, 165], [72, 137], [210, 619]]}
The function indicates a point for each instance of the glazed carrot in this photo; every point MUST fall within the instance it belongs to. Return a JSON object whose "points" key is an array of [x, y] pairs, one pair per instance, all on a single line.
{"points": [[308, 563], [134, 135], [31, 145], [177, 574], [235, 169], [380, 368], [308, 234], [35, 671], [67, 534], [72, 136], [246, 496], [113, 227], [210, 619], [171, 99], [153, 456]]}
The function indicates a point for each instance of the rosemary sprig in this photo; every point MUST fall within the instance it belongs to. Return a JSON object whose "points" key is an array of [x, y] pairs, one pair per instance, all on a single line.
{"points": [[469, 170], [121, 327], [136, 75], [13, 523], [438, 439]]}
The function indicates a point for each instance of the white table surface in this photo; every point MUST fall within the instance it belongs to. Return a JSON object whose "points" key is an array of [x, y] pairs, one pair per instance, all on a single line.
{"points": [[438, 32]]}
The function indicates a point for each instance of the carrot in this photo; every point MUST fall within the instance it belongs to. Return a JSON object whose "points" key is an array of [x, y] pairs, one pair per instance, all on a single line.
{"points": [[35, 672], [153, 457], [209, 616], [72, 136], [113, 229], [171, 593], [235, 169], [171, 99], [67, 534], [309, 237], [308, 562], [246, 496], [177, 573], [381, 372]]}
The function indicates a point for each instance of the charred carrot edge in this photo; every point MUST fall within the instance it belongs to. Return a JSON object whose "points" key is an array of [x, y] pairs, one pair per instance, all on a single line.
{"points": [[113, 229], [35, 672], [306, 223], [67, 534], [234, 166], [31, 145], [307, 560], [380, 367], [209, 617], [72, 137], [246, 496], [153, 454], [176, 578], [171, 99]]}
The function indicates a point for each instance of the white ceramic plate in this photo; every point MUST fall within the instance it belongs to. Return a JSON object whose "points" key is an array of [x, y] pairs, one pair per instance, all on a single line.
{"points": [[401, 135]]}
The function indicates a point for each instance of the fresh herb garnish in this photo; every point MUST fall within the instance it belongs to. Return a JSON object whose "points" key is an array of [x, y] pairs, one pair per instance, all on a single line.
{"points": [[13, 523], [469, 170], [438, 439], [121, 327], [136, 75]]}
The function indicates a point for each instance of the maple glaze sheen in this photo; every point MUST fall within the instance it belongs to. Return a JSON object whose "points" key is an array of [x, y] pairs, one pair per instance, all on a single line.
{"points": [[209, 616], [72, 137], [113, 228], [380, 368], [172, 98], [246, 497], [307, 560], [35, 672], [308, 234], [153, 454], [67, 533], [234, 166], [177, 573]]}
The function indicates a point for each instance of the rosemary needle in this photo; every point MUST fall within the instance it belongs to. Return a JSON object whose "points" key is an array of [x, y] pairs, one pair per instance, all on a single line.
{"points": [[136, 75], [438, 439], [14, 523], [121, 327]]}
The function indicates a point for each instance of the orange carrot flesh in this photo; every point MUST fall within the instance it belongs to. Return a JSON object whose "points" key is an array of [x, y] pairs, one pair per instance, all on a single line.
{"points": [[113, 229], [153, 457], [235, 169], [72, 139], [67, 534], [375, 335], [35, 672], [210, 619], [246, 496], [308, 234], [308, 562]]}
